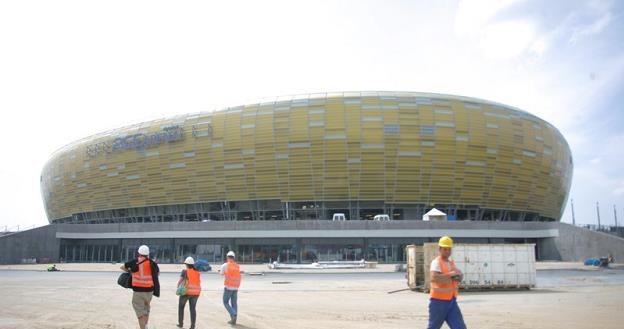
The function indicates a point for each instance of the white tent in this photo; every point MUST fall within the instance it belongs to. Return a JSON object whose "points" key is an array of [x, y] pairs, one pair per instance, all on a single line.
{"points": [[434, 214]]}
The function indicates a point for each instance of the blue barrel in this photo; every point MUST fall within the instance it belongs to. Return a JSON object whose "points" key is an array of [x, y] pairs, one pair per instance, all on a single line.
{"points": [[592, 262]]}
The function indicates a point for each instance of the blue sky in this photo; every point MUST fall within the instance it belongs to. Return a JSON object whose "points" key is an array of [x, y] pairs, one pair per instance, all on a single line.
{"points": [[69, 69]]}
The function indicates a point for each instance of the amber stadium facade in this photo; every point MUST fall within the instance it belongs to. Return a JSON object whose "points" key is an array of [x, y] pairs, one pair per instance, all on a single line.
{"points": [[288, 164]]}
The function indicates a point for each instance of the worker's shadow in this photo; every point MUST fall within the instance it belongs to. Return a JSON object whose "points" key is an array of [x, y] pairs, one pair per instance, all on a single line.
{"points": [[499, 293], [242, 326], [510, 292]]}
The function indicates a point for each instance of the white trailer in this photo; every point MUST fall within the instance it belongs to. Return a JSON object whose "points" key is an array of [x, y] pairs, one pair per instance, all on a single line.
{"points": [[485, 266]]}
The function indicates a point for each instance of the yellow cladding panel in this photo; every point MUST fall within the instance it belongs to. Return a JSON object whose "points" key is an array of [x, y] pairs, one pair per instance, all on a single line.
{"points": [[395, 147]]}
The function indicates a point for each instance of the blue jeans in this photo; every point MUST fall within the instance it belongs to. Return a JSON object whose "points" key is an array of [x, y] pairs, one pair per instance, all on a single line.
{"points": [[230, 297], [441, 311]]}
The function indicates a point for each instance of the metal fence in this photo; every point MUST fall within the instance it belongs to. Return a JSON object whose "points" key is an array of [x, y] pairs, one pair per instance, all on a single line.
{"points": [[615, 230]]}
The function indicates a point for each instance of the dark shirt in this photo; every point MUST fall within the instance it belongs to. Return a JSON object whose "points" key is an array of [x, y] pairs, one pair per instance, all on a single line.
{"points": [[184, 271], [133, 265]]}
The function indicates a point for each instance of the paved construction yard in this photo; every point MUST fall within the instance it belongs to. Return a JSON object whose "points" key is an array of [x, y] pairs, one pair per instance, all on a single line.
{"points": [[567, 296]]}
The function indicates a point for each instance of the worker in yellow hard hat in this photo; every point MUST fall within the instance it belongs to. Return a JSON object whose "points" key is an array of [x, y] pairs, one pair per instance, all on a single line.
{"points": [[445, 279]]}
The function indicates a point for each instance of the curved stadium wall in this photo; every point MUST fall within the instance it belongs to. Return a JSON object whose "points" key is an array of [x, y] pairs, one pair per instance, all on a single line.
{"points": [[309, 156]]}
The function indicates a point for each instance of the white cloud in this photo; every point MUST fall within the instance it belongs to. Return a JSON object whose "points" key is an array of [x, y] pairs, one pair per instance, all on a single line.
{"points": [[506, 36], [508, 39], [473, 15], [587, 30], [619, 190], [599, 178], [498, 39], [540, 45]]}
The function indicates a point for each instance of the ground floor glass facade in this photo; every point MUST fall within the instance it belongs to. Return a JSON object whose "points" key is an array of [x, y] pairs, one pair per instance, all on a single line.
{"points": [[251, 251]]}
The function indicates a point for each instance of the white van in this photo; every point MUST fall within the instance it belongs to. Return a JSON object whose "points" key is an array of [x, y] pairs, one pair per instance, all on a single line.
{"points": [[381, 218], [339, 216]]}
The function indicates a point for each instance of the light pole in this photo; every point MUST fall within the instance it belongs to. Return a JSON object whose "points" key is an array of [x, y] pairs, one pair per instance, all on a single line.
{"points": [[598, 214], [572, 205]]}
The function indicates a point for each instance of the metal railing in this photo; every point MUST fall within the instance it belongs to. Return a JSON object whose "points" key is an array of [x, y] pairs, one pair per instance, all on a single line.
{"points": [[615, 230], [17, 228]]}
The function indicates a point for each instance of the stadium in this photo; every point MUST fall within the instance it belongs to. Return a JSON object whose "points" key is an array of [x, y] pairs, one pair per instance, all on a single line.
{"points": [[267, 177]]}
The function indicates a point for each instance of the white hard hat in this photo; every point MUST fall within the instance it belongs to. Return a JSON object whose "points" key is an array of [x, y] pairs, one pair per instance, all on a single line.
{"points": [[189, 260], [231, 254], [144, 250]]}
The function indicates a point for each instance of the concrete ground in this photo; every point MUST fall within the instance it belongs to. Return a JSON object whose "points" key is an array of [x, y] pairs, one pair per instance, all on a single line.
{"points": [[568, 295]]}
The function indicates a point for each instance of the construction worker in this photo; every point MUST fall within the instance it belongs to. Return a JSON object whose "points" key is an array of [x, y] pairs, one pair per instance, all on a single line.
{"points": [[232, 280], [190, 275], [445, 279], [144, 283]]}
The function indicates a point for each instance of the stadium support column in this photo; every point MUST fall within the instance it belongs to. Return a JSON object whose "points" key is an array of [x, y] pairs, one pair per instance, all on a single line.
{"points": [[234, 247], [286, 210], [298, 250], [120, 259], [173, 251]]}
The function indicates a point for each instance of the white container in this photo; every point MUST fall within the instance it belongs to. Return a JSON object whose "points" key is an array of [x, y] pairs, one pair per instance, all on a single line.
{"points": [[415, 268], [489, 266]]}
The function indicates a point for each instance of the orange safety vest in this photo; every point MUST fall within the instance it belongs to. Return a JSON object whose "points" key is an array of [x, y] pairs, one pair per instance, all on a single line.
{"points": [[193, 288], [444, 291], [143, 277], [232, 275]]}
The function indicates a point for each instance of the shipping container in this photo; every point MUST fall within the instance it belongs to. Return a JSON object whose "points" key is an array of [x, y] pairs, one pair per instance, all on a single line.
{"points": [[484, 266]]}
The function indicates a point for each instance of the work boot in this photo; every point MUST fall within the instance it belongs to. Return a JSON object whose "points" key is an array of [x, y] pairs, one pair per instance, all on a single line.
{"points": [[232, 320]]}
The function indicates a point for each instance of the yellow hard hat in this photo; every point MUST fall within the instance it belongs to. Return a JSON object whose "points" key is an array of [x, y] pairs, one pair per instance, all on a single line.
{"points": [[445, 242]]}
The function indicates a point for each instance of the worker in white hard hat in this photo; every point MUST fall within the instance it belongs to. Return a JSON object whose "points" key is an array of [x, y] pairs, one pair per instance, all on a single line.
{"points": [[232, 280], [445, 279], [144, 283], [189, 289]]}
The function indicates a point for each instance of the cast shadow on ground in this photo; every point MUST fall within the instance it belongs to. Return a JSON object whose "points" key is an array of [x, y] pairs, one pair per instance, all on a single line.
{"points": [[242, 326], [511, 292]]}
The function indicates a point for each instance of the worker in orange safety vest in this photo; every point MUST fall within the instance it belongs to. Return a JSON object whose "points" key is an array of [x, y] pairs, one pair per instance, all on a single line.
{"points": [[191, 278], [145, 283], [445, 279], [232, 280]]}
